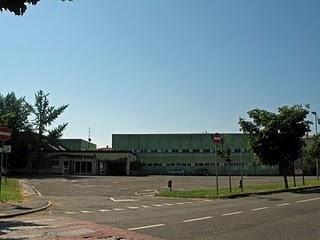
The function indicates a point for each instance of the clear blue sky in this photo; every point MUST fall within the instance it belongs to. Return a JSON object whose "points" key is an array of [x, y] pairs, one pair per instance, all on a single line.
{"points": [[162, 66]]}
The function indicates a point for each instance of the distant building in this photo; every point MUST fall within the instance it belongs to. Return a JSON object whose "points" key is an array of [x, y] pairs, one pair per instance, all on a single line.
{"points": [[77, 144], [161, 153]]}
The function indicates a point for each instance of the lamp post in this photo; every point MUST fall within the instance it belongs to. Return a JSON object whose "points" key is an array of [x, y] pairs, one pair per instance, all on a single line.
{"points": [[316, 128]]}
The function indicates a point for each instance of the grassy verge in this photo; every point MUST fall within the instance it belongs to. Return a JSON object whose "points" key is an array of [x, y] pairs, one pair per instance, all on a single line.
{"points": [[10, 190], [224, 192]]}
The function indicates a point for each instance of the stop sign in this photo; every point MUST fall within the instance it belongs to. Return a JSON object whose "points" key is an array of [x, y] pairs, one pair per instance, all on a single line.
{"points": [[216, 138], [5, 133]]}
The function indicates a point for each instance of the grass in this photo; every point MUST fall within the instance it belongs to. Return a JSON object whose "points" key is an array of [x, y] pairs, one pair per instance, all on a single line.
{"points": [[10, 190], [224, 192]]}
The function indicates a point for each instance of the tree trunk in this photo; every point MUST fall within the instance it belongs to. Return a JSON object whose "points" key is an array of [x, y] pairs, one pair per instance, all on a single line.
{"points": [[230, 188], [294, 176], [284, 173]]}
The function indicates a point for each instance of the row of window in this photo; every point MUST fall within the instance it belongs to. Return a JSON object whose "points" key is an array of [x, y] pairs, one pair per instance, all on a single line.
{"points": [[235, 150], [234, 164]]}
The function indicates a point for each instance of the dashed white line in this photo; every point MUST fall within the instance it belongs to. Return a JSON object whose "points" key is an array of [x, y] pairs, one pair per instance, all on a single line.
{"points": [[308, 200], [145, 227], [181, 203], [70, 212], [258, 209], [133, 207], [104, 210], [86, 211], [283, 204], [168, 204], [197, 219], [232, 213], [144, 206], [157, 205]]}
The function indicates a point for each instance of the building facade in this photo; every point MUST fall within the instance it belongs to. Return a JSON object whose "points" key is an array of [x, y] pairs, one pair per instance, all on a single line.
{"points": [[162, 153]]}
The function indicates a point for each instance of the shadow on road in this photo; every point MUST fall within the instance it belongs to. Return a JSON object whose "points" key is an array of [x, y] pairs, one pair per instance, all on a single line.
{"points": [[8, 227]]}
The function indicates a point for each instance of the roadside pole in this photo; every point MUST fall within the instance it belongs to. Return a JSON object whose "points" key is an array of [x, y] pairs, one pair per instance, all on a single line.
{"points": [[216, 139], [1, 161], [241, 162], [216, 167]]}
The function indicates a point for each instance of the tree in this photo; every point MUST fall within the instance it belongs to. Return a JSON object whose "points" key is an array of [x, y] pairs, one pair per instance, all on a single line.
{"points": [[276, 138], [45, 115], [14, 113], [18, 7], [225, 153]]}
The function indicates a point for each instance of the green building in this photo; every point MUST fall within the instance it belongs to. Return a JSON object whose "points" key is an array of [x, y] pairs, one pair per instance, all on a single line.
{"points": [[77, 144], [162, 153]]}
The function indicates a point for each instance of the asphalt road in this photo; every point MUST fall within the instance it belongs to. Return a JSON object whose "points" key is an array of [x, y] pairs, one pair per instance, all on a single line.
{"points": [[127, 203]]}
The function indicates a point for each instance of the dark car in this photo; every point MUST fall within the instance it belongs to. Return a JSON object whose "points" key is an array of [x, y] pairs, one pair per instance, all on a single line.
{"points": [[176, 172], [200, 172]]}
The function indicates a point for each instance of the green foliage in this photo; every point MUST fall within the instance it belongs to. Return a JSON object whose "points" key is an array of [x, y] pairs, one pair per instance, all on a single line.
{"points": [[224, 192], [276, 137], [15, 112], [11, 191], [314, 148], [45, 115], [18, 7]]}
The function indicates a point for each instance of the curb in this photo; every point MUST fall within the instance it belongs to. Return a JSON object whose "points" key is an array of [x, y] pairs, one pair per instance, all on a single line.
{"points": [[269, 192], [27, 212], [239, 195]]}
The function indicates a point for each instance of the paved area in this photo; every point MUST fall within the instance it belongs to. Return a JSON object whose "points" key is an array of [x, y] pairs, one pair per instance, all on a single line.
{"points": [[125, 208]]}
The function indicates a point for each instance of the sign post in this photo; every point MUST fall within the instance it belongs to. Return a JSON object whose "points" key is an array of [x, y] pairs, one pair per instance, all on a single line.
{"points": [[216, 138], [5, 135]]}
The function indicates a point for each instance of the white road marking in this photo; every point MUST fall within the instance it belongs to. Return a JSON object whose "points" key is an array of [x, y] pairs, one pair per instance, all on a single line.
{"points": [[232, 213], [70, 212], [104, 210], [196, 219], [207, 200], [181, 203], [258, 209], [123, 200], [157, 205], [308, 200], [133, 207], [145, 227], [86, 211], [119, 209], [283, 204], [168, 204], [144, 206]]}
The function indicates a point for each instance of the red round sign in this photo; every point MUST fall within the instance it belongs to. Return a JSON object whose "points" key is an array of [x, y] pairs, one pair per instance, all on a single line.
{"points": [[5, 133], [216, 138]]}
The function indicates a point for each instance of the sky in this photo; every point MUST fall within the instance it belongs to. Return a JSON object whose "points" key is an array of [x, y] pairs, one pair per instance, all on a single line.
{"points": [[166, 66]]}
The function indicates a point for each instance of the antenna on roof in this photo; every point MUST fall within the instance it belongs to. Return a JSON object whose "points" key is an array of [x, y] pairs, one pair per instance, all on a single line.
{"points": [[89, 139]]}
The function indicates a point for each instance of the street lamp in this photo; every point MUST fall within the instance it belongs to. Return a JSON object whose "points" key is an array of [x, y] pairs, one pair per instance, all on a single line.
{"points": [[316, 128]]}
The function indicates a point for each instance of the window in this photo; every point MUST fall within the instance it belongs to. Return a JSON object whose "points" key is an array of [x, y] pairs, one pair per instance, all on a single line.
{"points": [[167, 164], [172, 164], [201, 164], [189, 164], [196, 150], [184, 164], [155, 164], [185, 150], [175, 150], [197, 164], [206, 150], [206, 164], [149, 164], [178, 164], [154, 150]]}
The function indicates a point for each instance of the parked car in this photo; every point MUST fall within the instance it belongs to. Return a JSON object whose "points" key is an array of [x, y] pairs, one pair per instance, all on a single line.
{"points": [[176, 172], [200, 172]]}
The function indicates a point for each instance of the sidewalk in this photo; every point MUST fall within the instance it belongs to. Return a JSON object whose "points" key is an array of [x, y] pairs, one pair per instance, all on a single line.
{"points": [[32, 203], [45, 226]]}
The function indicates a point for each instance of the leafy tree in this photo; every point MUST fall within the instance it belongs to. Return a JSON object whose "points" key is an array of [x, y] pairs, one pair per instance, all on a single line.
{"points": [[18, 7], [15, 112], [224, 152], [276, 138], [45, 115]]}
